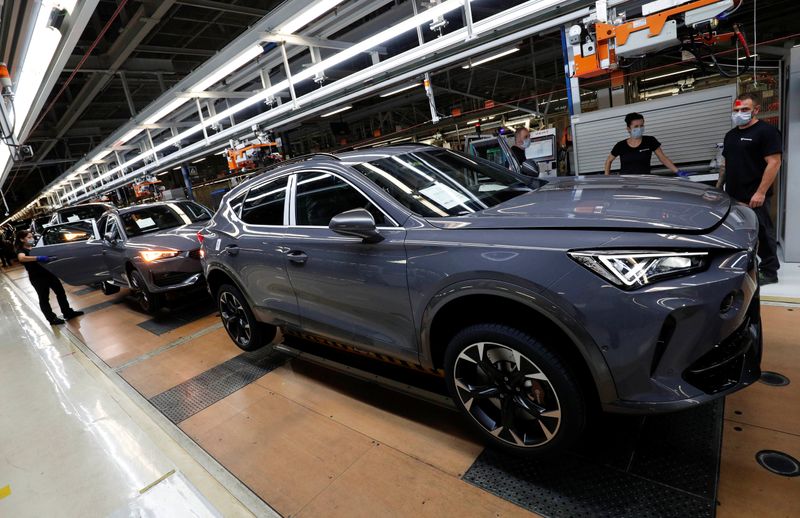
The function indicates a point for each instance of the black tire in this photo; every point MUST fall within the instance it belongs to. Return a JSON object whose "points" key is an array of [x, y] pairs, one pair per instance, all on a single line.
{"points": [[239, 320], [517, 393], [148, 301], [108, 289]]}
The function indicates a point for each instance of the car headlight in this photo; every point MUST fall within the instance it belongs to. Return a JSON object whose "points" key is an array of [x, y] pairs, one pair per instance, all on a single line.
{"points": [[154, 255], [633, 269]]}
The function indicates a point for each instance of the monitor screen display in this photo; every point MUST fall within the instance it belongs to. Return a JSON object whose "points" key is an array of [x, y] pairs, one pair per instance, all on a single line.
{"points": [[541, 149]]}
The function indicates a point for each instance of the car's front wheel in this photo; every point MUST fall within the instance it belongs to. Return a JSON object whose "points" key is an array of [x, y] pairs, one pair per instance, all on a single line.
{"points": [[517, 393], [238, 319], [148, 301]]}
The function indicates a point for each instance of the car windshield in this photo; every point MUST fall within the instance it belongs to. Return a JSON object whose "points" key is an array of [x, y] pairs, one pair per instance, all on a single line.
{"points": [[441, 183], [150, 219], [195, 211], [82, 212]]}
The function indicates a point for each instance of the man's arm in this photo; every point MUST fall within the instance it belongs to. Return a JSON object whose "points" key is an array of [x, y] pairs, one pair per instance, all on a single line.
{"points": [[721, 179], [770, 173], [607, 166]]}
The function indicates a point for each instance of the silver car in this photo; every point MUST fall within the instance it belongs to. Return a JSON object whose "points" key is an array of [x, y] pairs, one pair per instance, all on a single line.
{"points": [[152, 249]]}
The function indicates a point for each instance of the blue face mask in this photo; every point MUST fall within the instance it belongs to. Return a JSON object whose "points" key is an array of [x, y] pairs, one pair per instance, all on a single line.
{"points": [[741, 118], [637, 132], [526, 143]]}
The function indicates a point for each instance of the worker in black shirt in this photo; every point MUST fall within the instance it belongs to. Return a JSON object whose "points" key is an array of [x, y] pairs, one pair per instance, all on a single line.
{"points": [[752, 152], [521, 142], [43, 281], [636, 151]]}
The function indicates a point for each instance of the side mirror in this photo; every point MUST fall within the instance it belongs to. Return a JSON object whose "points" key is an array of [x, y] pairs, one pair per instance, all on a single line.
{"points": [[530, 168], [357, 223]]}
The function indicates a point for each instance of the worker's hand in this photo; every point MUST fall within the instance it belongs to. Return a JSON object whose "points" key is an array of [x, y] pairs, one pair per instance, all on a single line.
{"points": [[682, 173], [757, 200]]}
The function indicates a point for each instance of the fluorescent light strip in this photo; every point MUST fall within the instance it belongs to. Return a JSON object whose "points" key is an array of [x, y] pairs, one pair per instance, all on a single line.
{"points": [[481, 27], [232, 66], [338, 110], [403, 89], [308, 15], [490, 58]]}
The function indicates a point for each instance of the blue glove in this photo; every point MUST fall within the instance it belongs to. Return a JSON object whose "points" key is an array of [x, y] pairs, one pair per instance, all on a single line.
{"points": [[682, 174], [42, 259]]}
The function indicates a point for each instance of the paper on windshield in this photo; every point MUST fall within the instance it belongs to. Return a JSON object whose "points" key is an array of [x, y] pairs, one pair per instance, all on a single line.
{"points": [[145, 223], [73, 219], [444, 195]]}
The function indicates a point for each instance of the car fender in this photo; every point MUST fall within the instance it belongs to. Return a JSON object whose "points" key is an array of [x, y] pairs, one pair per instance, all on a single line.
{"points": [[536, 299]]}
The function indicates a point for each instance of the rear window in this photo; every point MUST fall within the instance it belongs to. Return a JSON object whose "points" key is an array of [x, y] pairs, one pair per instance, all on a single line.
{"points": [[150, 219], [195, 211], [80, 212]]}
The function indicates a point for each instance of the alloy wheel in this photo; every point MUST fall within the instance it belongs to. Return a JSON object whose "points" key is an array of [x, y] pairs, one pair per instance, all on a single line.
{"points": [[507, 394], [234, 318]]}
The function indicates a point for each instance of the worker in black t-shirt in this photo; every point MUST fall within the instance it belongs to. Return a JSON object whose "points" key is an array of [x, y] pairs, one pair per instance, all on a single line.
{"points": [[752, 152], [636, 151], [521, 142], [43, 281]]}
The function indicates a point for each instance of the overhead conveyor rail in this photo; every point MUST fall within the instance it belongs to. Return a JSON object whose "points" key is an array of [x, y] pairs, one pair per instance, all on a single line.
{"points": [[94, 176]]}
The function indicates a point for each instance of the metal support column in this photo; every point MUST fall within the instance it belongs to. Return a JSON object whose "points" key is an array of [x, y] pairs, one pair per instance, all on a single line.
{"points": [[427, 79], [202, 119], [288, 75], [187, 180], [127, 90], [791, 177]]}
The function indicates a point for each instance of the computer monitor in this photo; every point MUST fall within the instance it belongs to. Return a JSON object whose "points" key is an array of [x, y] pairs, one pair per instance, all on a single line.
{"points": [[542, 148]]}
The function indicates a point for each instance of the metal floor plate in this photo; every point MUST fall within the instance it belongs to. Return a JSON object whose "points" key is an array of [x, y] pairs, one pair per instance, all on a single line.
{"points": [[202, 391], [176, 318], [656, 466]]}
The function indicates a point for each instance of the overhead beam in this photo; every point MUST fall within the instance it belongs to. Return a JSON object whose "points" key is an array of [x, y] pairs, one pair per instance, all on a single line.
{"points": [[160, 49], [225, 7], [310, 41]]}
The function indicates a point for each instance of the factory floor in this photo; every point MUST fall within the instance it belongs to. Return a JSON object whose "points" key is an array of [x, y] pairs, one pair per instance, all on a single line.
{"points": [[118, 412]]}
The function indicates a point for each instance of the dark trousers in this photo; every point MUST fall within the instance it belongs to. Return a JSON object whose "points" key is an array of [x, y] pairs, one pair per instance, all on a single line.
{"points": [[767, 245], [43, 285]]}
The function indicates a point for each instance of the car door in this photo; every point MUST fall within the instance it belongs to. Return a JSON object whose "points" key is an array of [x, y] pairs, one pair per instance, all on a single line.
{"points": [[78, 252], [256, 254], [347, 290], [114, 250]]}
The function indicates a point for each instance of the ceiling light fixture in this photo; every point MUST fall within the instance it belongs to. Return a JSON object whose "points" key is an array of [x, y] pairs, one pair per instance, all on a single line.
{"points": [[401, 89], [308, 15], [490, 58], [338, 110]]}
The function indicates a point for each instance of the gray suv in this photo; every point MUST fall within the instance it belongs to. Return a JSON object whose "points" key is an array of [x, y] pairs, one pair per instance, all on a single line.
{"points": [[537, 302], [152, 249]]}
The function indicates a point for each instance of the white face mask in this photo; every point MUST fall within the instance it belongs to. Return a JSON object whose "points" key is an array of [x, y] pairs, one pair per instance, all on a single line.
{"points": [[741, 118], [637, 132], [29, 241], [526, 143]]}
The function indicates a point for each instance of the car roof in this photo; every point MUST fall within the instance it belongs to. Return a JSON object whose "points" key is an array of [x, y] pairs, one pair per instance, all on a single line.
{"points": [[376, 153], [99, 204]]}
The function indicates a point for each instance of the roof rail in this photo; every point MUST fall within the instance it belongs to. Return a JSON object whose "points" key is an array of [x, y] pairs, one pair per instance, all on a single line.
{"points": [[316, 155]]}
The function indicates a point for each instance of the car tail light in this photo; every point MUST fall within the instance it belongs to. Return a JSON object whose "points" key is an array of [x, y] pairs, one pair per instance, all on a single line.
{"points": [[197, 254]]}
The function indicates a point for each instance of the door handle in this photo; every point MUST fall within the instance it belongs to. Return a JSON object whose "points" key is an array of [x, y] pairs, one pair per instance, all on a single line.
{"points": [[232, 250], [297, 257]]}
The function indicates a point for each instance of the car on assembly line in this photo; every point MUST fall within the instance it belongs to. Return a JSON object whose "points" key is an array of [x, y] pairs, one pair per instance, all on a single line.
{"points": [[152, 249], [538, 301]]}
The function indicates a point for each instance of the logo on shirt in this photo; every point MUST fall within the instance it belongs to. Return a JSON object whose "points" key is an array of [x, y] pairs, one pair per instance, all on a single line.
{"points": [[747, 139], [643, 150]]}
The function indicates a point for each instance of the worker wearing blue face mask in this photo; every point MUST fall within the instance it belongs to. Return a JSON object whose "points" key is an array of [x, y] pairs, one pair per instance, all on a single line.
{"points": [[521, 142], [636, 151]]}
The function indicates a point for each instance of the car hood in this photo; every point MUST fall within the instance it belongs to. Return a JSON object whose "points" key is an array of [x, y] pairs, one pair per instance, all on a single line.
{"points": [[606, 202], [177, 238]]}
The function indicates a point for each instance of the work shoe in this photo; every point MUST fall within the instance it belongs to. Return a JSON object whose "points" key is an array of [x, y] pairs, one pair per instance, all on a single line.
{"points": [[72, 314], [765, 278], [55, 321]]}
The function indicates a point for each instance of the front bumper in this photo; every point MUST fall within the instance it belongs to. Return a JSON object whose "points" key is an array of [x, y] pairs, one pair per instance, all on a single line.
{"points": [[676, 343], [173, 274]]}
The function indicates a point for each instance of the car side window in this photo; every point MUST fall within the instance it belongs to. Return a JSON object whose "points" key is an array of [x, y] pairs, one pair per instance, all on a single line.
{"points": [[321, 196], [68, 233], [264, 204]]}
